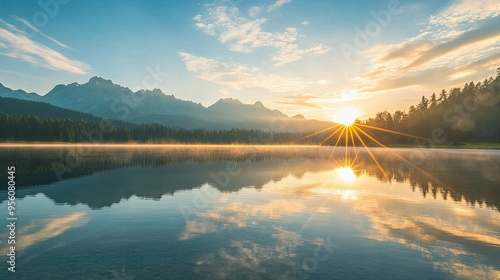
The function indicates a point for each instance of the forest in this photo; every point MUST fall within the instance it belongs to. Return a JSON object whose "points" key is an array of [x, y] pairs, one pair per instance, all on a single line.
{"points": [[467, 114], [34, 129]]}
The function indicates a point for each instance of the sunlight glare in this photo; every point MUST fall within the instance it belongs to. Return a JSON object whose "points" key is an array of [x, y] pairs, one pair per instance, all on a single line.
{"points": [[345, 174], [346, 116], [348, 195]]}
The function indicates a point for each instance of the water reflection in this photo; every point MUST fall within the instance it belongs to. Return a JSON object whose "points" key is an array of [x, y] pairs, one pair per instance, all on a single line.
{"points": [[249, 259], [472, 176], [266, 213], [456, 238], [41, 230]]}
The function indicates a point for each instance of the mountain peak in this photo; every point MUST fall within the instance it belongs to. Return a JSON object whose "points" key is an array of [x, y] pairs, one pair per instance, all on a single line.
{"points": [[157, 91], [299, 116], [229, 100], [99, 80], [258, 103]]}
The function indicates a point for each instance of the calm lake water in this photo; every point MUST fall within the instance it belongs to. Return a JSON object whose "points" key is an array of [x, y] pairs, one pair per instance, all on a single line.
{"points": [[253, 213]]}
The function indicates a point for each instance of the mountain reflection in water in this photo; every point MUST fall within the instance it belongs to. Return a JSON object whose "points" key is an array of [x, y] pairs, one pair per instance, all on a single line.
{"points": [[255, 213], [472, 176]]}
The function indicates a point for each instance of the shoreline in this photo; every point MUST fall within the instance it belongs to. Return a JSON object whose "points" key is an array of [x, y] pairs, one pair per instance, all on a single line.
{"points": [[465, 146], [146, 145]]}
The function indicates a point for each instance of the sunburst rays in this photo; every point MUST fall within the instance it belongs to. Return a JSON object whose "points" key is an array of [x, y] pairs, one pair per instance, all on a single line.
{"points": [[347, 135]]}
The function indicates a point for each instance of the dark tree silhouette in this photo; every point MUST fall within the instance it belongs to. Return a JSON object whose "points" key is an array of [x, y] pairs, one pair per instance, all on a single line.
{"points": [[467, 114]]}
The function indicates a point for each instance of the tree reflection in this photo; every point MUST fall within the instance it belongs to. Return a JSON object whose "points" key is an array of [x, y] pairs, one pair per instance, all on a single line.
{"points": [[472, 176]]}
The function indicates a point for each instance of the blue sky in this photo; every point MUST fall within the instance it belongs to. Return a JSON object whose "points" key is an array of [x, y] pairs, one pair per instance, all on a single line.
{"points": [[298, 56]]}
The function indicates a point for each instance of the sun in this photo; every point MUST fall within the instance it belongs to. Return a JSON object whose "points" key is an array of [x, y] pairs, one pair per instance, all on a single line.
{"points": [[346, 116]]}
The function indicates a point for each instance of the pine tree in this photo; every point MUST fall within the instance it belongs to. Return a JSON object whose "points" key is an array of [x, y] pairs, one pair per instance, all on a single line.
{"points": [[433, 100], [442, 96]]}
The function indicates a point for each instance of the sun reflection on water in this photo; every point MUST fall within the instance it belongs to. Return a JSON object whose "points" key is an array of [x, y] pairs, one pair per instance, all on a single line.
{"points": [[345, 174]]}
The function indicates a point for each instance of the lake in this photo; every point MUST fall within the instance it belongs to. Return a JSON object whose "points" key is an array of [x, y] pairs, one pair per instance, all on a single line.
{"points": [[209, 212]]}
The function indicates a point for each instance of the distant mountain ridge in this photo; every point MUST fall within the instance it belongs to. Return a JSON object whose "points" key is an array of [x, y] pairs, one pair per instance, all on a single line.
{"points": [[15, 106], [18, 93], [104, 99]]}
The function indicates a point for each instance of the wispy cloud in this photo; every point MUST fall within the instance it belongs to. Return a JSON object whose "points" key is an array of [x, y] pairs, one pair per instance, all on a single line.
{"points": [[30, 26], [237, 76], [246, 34], [462, 16], [341, 96], [301, 100], [291, 52], [46, 229], [278, 4], [254, 11], [16, 44], [465, 33]]}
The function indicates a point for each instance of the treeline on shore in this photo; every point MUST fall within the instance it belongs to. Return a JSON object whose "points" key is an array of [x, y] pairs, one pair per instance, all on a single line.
{"points": [[467, 114], [32, 128]]}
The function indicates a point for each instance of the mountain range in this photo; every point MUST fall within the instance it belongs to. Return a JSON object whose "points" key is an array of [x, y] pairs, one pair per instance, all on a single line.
{"points": [[104, 99]]}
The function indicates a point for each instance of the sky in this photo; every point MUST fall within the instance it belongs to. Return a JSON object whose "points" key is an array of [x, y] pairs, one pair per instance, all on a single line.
{"points": [[309, 57]]}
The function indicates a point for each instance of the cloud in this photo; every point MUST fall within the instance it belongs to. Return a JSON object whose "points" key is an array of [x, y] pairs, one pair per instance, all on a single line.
{"points": [[407, 50], [305, 22], [29, 25], [434, 77], [292, 52], [47, 229], [246, 34], [341, 96], [302, 100], [238, 76], [254, 11], [278, 4], [246, 257], [461, 14], [487, 31], [240, 215], [14, 43], [465, 33]]}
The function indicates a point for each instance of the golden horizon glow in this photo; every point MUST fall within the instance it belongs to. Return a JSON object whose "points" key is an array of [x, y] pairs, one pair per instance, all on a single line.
{"points": [[346, 116]]}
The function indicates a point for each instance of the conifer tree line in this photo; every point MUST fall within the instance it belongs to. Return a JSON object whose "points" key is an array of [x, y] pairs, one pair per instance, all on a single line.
{"points": [[467, 114], [34, 129]]}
